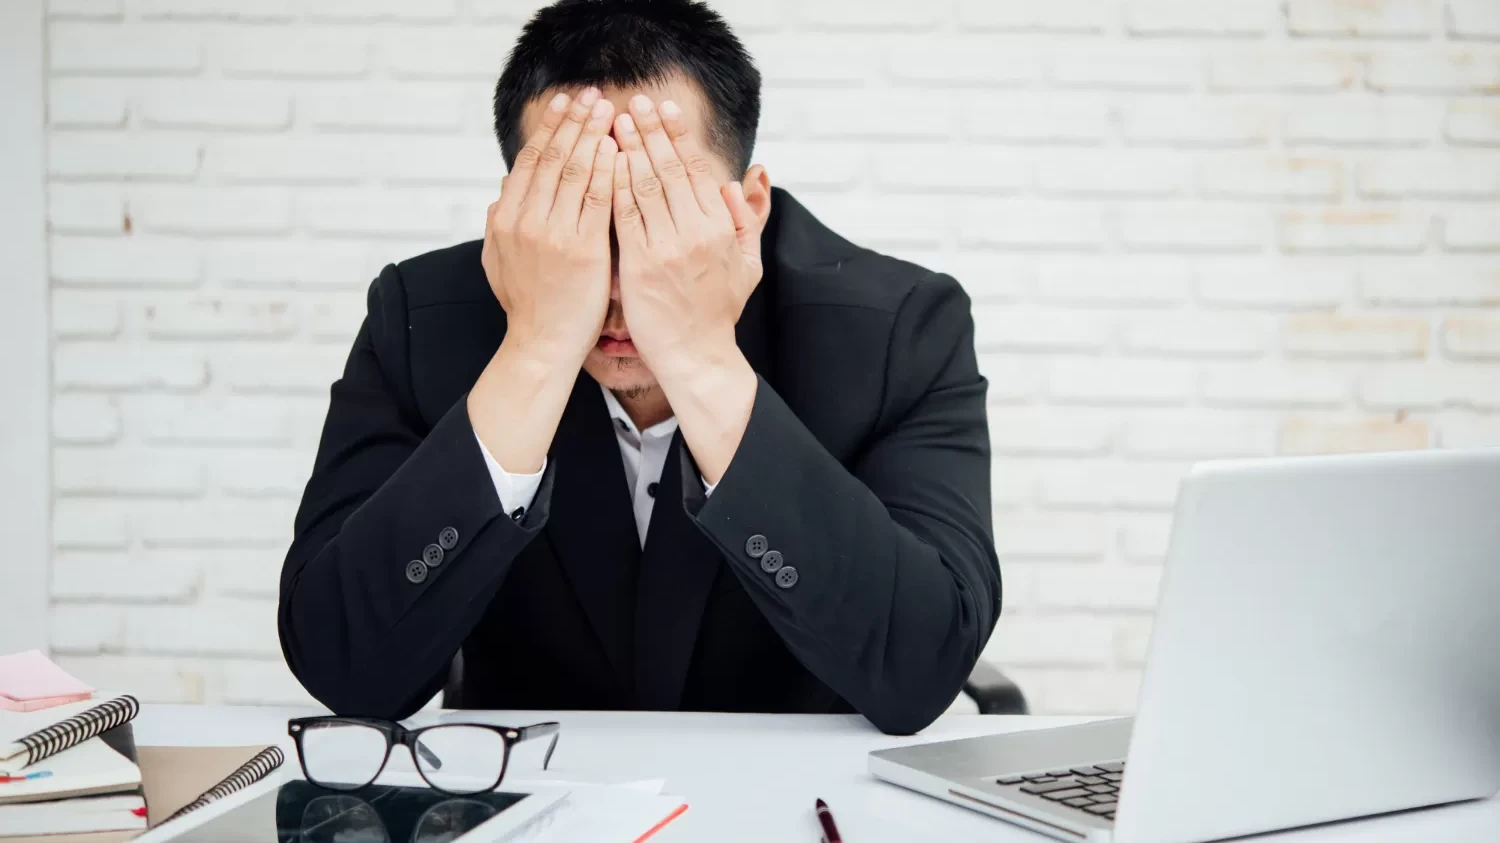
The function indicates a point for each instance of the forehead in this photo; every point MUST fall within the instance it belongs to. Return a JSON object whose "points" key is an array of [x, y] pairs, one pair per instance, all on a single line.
{"points": [[676, 88]]}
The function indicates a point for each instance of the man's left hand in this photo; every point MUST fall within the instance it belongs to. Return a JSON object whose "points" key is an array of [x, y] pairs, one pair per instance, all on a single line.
{"points": [[689, 248], [689, 259]]}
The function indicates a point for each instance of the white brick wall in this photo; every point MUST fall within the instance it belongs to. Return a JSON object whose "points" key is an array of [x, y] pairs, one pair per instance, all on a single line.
{"points": [[1192, 229]]}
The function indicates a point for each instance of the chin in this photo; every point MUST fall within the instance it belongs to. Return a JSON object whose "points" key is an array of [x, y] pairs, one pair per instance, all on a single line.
{"points": [[618, 374]]}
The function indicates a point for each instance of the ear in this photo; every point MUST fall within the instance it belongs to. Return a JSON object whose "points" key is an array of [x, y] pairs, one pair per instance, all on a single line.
{"points": [[757, 186]]}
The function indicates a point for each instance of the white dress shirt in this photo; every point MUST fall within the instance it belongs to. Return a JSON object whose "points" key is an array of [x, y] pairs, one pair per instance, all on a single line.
{"points": [[644, 453]]}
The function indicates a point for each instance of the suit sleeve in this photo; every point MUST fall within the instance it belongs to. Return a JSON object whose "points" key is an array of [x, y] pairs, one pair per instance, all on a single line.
{"points": [[897, 586], [367, 626]]}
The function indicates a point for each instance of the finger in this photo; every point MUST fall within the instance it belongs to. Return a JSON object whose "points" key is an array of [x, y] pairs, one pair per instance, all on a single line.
{"points": [[644, 182], [576, 174], [490, 220], [664, 160], [489, 230], [594, 218], [746, 225], [555, 155], [694, 158], [487, 253], [630, 228], [516, 183]]}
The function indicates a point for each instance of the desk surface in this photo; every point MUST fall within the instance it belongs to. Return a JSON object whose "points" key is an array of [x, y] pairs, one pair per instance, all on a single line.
{"points": [[753, 777]]}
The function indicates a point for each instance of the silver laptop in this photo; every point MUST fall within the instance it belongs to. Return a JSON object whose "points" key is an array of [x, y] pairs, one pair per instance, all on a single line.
{"points": [[1325, 647]]}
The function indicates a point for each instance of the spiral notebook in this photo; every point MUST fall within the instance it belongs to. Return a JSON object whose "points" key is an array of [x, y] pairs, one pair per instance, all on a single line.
{"points": [[27, 737], [89, 769], [173, 779], [262, 764], [94, 785]]}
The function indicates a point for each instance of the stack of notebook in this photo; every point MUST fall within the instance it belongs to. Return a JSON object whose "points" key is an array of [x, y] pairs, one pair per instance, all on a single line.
{"points": [[67, 762]]}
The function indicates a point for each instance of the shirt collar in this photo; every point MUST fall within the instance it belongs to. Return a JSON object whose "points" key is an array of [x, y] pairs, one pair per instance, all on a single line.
{"points": [[622, 420]]}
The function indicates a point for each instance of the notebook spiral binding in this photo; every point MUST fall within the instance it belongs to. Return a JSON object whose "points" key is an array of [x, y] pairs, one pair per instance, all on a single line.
{"points": [[47, 742], [248, 773]]}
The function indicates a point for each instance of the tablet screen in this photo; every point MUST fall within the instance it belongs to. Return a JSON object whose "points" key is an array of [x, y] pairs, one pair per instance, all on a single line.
{"points": [[299, 812]]}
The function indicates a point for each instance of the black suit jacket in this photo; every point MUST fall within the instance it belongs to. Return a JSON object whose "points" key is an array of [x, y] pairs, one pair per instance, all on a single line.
{"points": [[865, 464]]}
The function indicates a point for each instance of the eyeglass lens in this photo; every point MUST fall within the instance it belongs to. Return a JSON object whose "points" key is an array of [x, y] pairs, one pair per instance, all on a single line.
{"points": [[342, 756]]}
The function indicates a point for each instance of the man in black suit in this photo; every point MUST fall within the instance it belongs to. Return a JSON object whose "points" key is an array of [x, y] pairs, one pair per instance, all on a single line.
{"points": [[662, 440]]}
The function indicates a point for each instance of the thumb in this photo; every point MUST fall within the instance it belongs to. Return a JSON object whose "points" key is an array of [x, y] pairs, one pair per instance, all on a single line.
{"points": [[746, 226]]}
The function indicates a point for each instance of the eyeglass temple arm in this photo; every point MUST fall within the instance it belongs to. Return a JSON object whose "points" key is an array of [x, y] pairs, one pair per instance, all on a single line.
{"points": [[427, 755], [541, 730]]}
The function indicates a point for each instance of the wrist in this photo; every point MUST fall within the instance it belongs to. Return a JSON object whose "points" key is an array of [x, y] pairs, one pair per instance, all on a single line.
{"points": [[690, 365], [542, 356], [710, 379], [515, 405], [712, 398]]}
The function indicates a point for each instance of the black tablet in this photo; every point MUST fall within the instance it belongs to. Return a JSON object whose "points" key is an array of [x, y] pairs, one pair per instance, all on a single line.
{"points": [[299, 812]]}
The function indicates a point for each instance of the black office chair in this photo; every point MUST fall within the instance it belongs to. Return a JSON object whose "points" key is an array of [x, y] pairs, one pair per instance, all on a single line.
{"points": [[993, 691], [990, 689]]}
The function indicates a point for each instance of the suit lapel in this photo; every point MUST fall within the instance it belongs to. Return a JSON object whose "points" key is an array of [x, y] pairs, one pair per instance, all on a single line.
{"points": [[592, 524], [679, 563]]}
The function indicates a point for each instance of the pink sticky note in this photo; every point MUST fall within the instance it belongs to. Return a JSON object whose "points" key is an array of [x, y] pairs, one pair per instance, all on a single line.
{"points": [[30, 681]]}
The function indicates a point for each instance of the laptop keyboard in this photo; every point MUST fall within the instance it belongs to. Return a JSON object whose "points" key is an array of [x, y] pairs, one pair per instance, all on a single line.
{"points": [[1093, 788]]}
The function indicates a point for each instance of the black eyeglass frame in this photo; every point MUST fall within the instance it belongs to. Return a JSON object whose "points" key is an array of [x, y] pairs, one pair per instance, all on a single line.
{"points": [[395, 734]]}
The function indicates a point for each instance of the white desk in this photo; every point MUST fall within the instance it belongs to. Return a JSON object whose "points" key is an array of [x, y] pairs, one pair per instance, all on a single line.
{"points": [[754, 777]]}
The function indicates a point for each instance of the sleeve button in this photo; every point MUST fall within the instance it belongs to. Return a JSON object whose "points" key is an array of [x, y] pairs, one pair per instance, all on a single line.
{"points": [[448, 538], [416, 571], [786, 577], [771, 562], [756, 546], [432, 555]]}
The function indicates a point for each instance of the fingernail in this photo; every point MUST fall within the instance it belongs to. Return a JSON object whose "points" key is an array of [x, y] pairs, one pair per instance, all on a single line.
{"points": [[588, 96], [641, 103], [559, 102], [626, 124], [601, 108], [670, 110]]}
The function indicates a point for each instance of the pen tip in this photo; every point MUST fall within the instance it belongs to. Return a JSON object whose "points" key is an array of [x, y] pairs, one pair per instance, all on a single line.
{"points": [[822, 806]]}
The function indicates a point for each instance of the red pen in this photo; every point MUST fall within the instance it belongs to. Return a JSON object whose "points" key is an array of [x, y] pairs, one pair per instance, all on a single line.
{"points": [[825, 817]]}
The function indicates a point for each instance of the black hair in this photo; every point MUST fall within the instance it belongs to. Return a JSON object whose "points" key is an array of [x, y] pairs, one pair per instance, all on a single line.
{"points": [[574, 43]]}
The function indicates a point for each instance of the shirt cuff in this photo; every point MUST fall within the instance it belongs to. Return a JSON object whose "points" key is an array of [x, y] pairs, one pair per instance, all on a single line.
{"points": [[516, 491], [708, 488]]}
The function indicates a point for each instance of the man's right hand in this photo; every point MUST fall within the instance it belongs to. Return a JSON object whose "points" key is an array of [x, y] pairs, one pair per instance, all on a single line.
{"points": [[546, 255], [546, 240]]}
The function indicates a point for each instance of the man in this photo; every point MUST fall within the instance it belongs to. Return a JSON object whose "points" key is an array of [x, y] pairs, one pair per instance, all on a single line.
{"points": [[767, 489]]}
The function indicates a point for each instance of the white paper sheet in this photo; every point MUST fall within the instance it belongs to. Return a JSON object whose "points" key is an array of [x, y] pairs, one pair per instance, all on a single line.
{"points": [[599, 815]]}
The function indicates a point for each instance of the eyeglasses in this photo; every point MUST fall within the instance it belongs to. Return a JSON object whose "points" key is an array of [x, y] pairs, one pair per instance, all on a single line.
{"points": [[348, 753]]}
